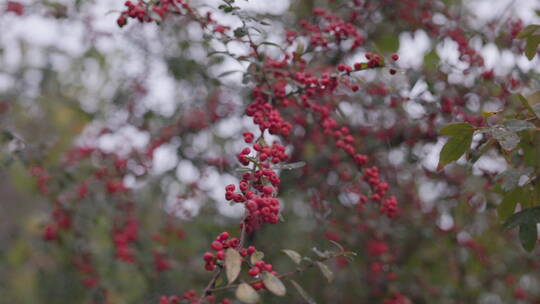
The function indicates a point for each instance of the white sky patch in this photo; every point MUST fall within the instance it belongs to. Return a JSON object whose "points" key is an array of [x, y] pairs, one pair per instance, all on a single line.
{"points": [[414, 109], [412, 48], [228, 127], [490, 162], [165, 159], [187, 173], [445, 221], [160, 90], [430, 155], [123, 140]]}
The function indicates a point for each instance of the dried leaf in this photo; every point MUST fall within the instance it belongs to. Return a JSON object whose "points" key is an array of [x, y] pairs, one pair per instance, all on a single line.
{"points": [[328, 274], [273, 284], [295, 256], [338, 245], [233, 264], [247, 294], [321, 254], [256, 256]]}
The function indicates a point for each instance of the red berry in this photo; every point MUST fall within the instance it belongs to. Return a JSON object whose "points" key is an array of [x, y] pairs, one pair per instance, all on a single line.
{"points": [[254, 271], [208, 256], [216, 245], [223, 236]]}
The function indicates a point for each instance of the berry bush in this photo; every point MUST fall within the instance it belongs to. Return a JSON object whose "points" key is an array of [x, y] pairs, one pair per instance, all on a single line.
{"points": [[236, 151]]}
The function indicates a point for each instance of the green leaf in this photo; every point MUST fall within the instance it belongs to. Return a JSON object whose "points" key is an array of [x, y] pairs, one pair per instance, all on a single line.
{"points": [[529, 215], [534, 98], [227, 73], [529, 149], [247, 294], [508, 204], [454, 148], [233, 264], [388, 43], [531, 46], [273, 284], [303, 293], [256, 256], [528, 30], [431, 59], [240, 32], [328, 274], [525, 103], [458, 143], [476, 154], [528, 235], [293, 255], [457, 129], [270, 43]]}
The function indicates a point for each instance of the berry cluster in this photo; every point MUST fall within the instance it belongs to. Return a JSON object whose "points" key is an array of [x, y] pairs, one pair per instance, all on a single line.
{"points": [[123, 237], [61, 220], [221, 243], [42, 178], [258, 186], [84, 264], [266, 116], [190, 296], [141, 10], [332, 29]]}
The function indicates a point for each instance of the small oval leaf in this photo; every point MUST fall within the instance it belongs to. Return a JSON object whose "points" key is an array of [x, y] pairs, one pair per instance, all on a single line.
{"points": [[273, 284], [457, 129], [256, 256], [293, 255], [454, 148], [328, 274], [233, 264], [506, 138], [247, 294]]}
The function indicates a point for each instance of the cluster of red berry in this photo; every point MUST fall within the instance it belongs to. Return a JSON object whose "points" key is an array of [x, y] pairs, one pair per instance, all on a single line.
{"points": [[332, 29], [141, 9]]}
